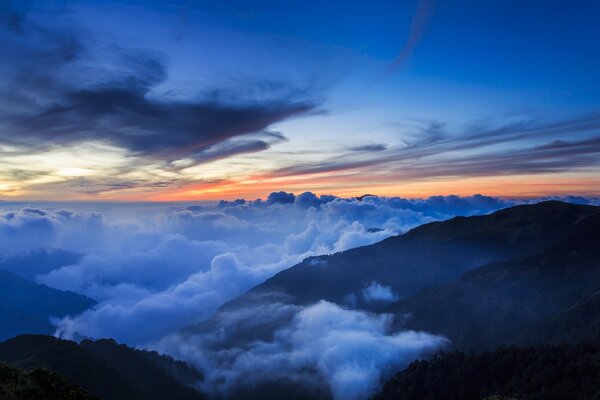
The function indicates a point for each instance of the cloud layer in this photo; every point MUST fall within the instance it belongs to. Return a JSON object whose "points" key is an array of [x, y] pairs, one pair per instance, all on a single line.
{"points": [[155, 269], [323, 348], [167, 267]]}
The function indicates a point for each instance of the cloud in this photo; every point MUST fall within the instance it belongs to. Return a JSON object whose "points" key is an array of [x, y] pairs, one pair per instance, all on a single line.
{"points": [[26, 230], [228, 148], [348, 350], [168, 261], [529, 146], [165, 267], [155, 269], [377, 292], [281, 198], [121, 101], [417, 28], [369, 148], [308, 199]]}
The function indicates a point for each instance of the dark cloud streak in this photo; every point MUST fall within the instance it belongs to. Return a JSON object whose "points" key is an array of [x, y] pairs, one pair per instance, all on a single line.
{"points": [[369, 148], [58, 91], [496, 151]]}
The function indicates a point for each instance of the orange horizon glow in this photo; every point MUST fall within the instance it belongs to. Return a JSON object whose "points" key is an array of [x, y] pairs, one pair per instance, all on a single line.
{"points": [[504, 187], [342, 183]]}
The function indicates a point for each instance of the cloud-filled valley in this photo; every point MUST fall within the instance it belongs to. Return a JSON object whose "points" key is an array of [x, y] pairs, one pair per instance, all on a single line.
{"points": [[322, 348], [156, 269]]}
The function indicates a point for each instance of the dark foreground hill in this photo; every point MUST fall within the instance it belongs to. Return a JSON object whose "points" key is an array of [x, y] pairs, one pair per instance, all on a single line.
{"points": [[26, 307], [104, 368], [39, 384], [531, 373], [550, 297]]}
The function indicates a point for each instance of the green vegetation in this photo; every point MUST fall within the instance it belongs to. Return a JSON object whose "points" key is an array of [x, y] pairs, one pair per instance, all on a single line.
{"points": [[531, 373], [548, 298], [39, 384], [104, 368], [526, 276]]}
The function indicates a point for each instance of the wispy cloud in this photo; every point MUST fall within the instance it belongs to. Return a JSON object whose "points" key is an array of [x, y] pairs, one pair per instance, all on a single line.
{"points": [[528, 147], [417, 28]]}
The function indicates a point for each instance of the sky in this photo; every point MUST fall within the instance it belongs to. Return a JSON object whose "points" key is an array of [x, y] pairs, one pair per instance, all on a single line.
{"points": [[206, 100]]}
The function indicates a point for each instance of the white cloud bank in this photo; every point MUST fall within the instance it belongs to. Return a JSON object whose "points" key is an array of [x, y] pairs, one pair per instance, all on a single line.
{"points": [[155, 269], [346, 350], [378, 292], [164, 267]]}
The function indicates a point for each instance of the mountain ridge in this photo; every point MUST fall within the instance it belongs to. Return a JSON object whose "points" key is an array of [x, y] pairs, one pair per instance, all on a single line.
{"points": [[105, 368], [513, 302], [508, 233], [410, 263], [26, 306]]}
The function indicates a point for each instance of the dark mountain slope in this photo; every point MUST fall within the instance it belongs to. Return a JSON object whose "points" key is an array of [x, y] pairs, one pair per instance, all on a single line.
{"points": [[169, 378], [433, 253], [104, 368], [37, 262], [552, 296], [533, 373], [25, 307], [580, 321], [430, 254], [39, 384]]}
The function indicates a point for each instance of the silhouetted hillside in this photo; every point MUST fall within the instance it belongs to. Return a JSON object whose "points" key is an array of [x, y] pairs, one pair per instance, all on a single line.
{"points": [[39, 384], [37, 262], [430, 254], [26, 307], [532, 373], [527, 274], [524, 275], [104, 368], [552, 296]]}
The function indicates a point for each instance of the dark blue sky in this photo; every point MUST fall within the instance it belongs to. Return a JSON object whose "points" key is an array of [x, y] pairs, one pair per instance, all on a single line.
{"points": [[186, 99]]}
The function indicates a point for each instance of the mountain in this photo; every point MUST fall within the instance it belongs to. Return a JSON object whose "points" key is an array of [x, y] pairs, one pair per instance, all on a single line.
{"points": [[104, 368], [527, 275], [38, 262], [431, 254], [531, 373], [578, 322], [26, 307], [428, 256], [39, 384], [549, 297], [524, 275]]}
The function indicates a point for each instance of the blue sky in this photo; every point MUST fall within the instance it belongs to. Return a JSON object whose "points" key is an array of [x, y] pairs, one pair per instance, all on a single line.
{"points": [[338, 97]]}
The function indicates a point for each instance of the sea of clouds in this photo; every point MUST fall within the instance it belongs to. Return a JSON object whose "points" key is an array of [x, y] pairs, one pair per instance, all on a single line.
{"points": [[343, 352], [155, 269]]}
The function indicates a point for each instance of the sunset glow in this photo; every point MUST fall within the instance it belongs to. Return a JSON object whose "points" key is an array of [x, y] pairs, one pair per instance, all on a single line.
{"points": [[116, 108]]}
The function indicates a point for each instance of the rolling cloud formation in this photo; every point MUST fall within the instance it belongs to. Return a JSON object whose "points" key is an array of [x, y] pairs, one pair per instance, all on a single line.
{"points": [[156, 269], [167, 267]]}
